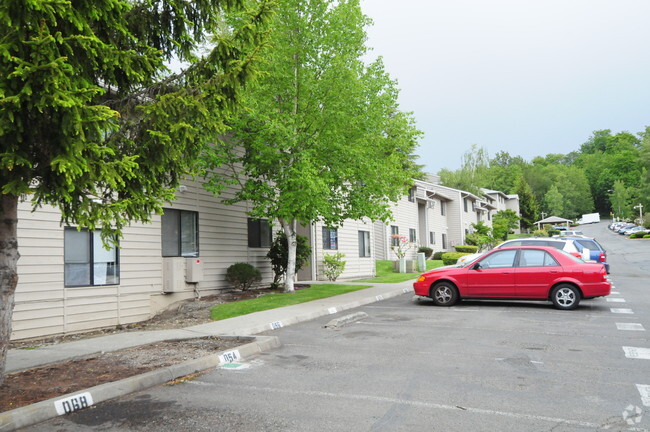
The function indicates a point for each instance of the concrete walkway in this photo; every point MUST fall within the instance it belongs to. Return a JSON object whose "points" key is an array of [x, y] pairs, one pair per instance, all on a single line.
{"points": [[246, 325]]}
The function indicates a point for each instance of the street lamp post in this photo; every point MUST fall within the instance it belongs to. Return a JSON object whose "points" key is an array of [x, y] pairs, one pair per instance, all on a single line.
{"points": [[640, 207]]}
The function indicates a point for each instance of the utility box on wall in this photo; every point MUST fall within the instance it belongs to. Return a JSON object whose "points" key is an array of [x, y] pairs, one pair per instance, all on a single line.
{"points": [[173, 275], [193, 270]]}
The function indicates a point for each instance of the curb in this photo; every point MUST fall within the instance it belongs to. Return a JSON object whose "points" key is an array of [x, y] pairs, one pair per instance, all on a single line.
{"points": [[46, 410]]}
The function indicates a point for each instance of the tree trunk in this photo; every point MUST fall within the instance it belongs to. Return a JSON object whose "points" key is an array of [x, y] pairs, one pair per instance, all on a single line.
{"points": [[8, 271], [292, 243]]}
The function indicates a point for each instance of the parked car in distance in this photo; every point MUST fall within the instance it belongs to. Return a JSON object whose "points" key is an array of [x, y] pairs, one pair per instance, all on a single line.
{"points": [[523, 272], [596, 251], [634, 229], [572, 233], [558, 243], [623, 226]]}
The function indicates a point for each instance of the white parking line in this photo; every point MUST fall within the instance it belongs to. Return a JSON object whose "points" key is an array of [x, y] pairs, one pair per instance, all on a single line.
{"points": [[615, 300], [637, 353], [621, 311], [630, 326], [407, 402], [615, 293], [645, 393]]}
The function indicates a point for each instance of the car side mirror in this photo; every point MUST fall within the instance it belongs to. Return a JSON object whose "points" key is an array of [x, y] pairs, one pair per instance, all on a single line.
{"points": [[476, 266]]}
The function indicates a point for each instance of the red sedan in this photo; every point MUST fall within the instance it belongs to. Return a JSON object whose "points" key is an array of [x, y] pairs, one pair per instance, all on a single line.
{"points": [[524, 272]]}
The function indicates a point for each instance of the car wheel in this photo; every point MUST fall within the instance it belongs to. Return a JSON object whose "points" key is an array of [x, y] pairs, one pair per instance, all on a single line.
{"points": [[565, 297], [444, 294]]}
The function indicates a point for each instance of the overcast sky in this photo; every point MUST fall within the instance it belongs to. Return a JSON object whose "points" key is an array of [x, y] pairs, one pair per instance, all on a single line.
{"points": [[526, 77]]}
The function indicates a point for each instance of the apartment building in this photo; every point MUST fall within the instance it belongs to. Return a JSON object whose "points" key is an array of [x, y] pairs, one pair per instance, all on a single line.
{"points": [[68, 282]]}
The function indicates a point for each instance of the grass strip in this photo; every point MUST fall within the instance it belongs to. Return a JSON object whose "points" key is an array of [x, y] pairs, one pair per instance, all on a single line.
{"points": [[273, 301], [385, 272]]}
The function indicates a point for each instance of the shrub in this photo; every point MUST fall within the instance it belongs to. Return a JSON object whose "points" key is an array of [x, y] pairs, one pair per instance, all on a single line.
{"points": [[279, 255], [466, 248], [540, 233], [553, 232], [472, 239], [334, 265], [242, 275], [438, 255], [426, 250], [637, 235], [646, 236], [450, 258]]}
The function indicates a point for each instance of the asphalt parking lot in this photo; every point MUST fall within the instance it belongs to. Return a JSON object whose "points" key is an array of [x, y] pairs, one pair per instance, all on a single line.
{"points": [[409, 365]]}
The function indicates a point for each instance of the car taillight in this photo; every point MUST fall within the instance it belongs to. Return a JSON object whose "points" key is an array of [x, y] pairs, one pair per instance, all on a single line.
{"points": [[602, 257]]}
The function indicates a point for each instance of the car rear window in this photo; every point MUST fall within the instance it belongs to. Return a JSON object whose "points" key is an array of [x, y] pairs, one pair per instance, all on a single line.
{"points": [[574, 258], [588, 244]]}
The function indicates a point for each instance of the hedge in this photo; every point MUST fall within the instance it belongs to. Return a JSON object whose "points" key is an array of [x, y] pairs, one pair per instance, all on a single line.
{"points": [[466, 248], [450, 258], [426, 250]]}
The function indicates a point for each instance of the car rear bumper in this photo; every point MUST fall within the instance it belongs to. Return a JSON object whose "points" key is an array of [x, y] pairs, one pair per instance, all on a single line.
{"points": [[597, 289]]}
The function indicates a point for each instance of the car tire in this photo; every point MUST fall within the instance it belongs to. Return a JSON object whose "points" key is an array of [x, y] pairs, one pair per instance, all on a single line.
{"points": [[444, 294], [565, 297]]}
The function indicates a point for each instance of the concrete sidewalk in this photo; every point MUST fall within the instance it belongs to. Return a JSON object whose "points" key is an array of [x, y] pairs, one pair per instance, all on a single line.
{"points": [[246, 325]]}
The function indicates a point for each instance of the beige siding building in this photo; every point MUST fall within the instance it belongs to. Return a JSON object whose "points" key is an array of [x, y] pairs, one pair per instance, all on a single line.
{"points": [[68, 282]]}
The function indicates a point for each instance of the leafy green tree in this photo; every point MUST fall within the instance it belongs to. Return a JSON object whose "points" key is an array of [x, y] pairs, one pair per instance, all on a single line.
{"points": [[481, 236], [554, 202], [472, 175], [621, 199], [91, 122], [528, 206], [321, 136], [503, 222], [504, 171], [606, 158]]}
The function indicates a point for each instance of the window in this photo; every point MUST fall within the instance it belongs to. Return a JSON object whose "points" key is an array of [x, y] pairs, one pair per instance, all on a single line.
{"points": [[501, 259], [364, 244], [330, 238], [432, 237], [180, 233], [87, 262], [412, 235], [394, 233], [465, 204], [444, 241], [442, 208], [412, 195], [536, 258], [260, 234]]}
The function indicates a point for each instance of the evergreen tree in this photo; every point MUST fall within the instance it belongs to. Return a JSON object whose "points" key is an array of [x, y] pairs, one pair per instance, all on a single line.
{"points": [[91, 121]]}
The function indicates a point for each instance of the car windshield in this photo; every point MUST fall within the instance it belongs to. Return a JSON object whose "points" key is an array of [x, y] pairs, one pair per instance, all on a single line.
{"points": [[469, 261]]}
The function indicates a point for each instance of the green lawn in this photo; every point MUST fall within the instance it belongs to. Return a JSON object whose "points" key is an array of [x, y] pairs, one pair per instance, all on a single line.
{"points": [[385, 272], [272, 301]]}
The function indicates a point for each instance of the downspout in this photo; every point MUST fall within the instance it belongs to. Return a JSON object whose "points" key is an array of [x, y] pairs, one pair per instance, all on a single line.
{"points": [[314, 255]]}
